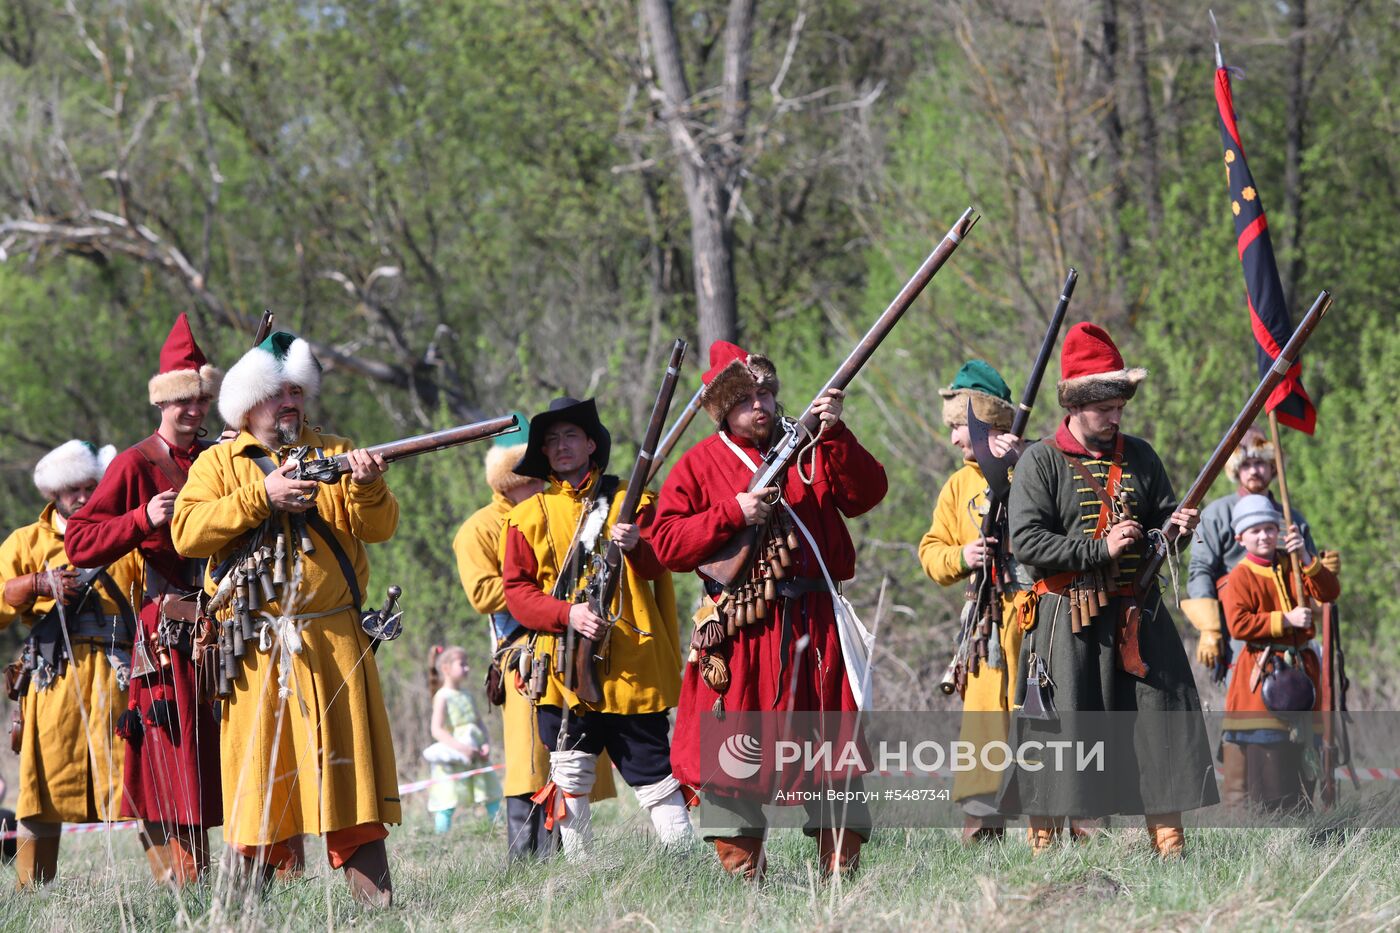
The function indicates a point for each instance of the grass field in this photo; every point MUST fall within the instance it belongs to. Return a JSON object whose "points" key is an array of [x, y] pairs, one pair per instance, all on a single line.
{"points": [[1231, 879]]}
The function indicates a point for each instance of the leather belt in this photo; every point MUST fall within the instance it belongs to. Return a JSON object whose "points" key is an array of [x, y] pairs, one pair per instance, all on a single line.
{"points": [[793, 587], [99, 641]]}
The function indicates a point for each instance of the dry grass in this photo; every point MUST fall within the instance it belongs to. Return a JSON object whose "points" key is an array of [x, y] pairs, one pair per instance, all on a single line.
{"points": [[1249, 879]]}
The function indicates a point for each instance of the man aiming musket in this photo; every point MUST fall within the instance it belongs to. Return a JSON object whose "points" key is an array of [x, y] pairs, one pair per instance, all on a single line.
{"points": [[758, 509]]}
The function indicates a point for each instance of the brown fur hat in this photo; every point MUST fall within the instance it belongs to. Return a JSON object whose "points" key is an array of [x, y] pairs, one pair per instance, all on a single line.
{"points": [[734, 373], [1253, 446]]}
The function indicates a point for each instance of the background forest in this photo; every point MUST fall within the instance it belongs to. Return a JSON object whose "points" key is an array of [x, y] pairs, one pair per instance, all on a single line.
{"points": [[473, 207]]}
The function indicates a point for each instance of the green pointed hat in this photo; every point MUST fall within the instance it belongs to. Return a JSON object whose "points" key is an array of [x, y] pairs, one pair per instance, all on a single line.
{"points": [[978, 382]]}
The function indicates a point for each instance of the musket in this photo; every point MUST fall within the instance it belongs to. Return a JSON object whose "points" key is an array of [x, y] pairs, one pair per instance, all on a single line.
{"points": [[674, 434], [1160, 543], [990, 578], [733, 561], [581, 673], [994, 468], [330, 469], [264, 326]]}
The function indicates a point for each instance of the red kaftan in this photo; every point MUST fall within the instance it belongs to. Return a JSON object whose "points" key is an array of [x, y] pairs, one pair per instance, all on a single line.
{"points": [[697, 512], [169, 779]]}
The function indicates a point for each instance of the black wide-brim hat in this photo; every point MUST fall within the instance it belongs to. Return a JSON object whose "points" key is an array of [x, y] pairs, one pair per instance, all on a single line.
{"points": [[564, 410]]}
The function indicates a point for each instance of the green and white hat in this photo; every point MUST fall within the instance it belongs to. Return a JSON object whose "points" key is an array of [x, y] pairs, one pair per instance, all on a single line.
{"points": [[71, 464], [261, 373], [989, 393]]}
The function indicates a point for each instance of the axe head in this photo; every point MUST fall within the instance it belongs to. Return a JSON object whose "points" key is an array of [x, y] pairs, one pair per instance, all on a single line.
{"points": [[997, 470], [1040, 700]]}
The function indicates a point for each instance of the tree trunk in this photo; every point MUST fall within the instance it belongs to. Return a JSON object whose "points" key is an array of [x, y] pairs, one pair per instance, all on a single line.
{"points": [[1293, 183], [710, 167], [1113, 123], [1151, 174]]}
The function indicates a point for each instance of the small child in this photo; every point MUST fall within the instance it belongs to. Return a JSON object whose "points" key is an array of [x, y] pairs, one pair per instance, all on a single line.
{"points": [[1261, 609], [461, 741]]}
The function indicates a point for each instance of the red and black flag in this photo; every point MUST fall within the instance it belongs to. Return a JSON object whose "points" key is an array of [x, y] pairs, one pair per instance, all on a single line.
{"points": [[1268, 314]]}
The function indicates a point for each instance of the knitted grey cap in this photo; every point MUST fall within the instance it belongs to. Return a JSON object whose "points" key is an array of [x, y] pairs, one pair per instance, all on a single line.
{"points": [[1253, 510]]}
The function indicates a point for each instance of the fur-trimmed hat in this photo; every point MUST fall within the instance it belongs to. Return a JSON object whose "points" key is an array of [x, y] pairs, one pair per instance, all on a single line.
{"points": [[1253, 446], [533, 463], [261, 372], [1091, 369], [734, 373], [71, 464], [184, 372], [1253, 510], [505, 452], [977, 381]]}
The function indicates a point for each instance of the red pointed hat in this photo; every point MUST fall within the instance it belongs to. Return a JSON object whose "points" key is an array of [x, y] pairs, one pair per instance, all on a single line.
{"points": [[734, 372], [184, 371], [1091, 368]]}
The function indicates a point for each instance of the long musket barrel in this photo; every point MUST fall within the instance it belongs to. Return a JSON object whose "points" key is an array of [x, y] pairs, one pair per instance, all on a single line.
{"points": [[1158, 546], [674, 434], [329, 469], [733, 559], [581, 674], [889, 318], [641, 469], [1042, 359]]}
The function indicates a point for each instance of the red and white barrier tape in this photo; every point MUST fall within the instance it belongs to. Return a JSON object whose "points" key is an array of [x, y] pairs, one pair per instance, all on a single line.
{"points": [[412, 787]]}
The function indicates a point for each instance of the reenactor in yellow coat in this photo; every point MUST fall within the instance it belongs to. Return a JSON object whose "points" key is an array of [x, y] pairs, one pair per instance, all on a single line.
{"points": [[954, 550], [306, 743], [477, 548], [71, 680]]}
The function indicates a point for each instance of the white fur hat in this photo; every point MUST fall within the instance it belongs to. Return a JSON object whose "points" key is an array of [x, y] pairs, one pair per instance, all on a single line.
{"points": [[261, 372], [71, 464]]}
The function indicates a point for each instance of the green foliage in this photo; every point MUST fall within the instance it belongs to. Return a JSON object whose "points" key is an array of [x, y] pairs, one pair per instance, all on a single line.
{"points": [[504, 160]]}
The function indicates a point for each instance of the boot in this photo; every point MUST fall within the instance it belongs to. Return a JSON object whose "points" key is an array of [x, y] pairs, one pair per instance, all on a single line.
{"points": [[156, 842], [1042, 833], [982, 829], [1234, 787], [367, 874], [248, 874], [526, 836], [158, 857], [36, 861], [838, 851], [1168, 837], [188, 854], [742, 856], [293, 865], [1082, 830]]}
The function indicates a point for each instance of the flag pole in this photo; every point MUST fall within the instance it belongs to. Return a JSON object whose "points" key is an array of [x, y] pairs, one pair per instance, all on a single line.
{"points": [[1215, 34], [1295, 562]]}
